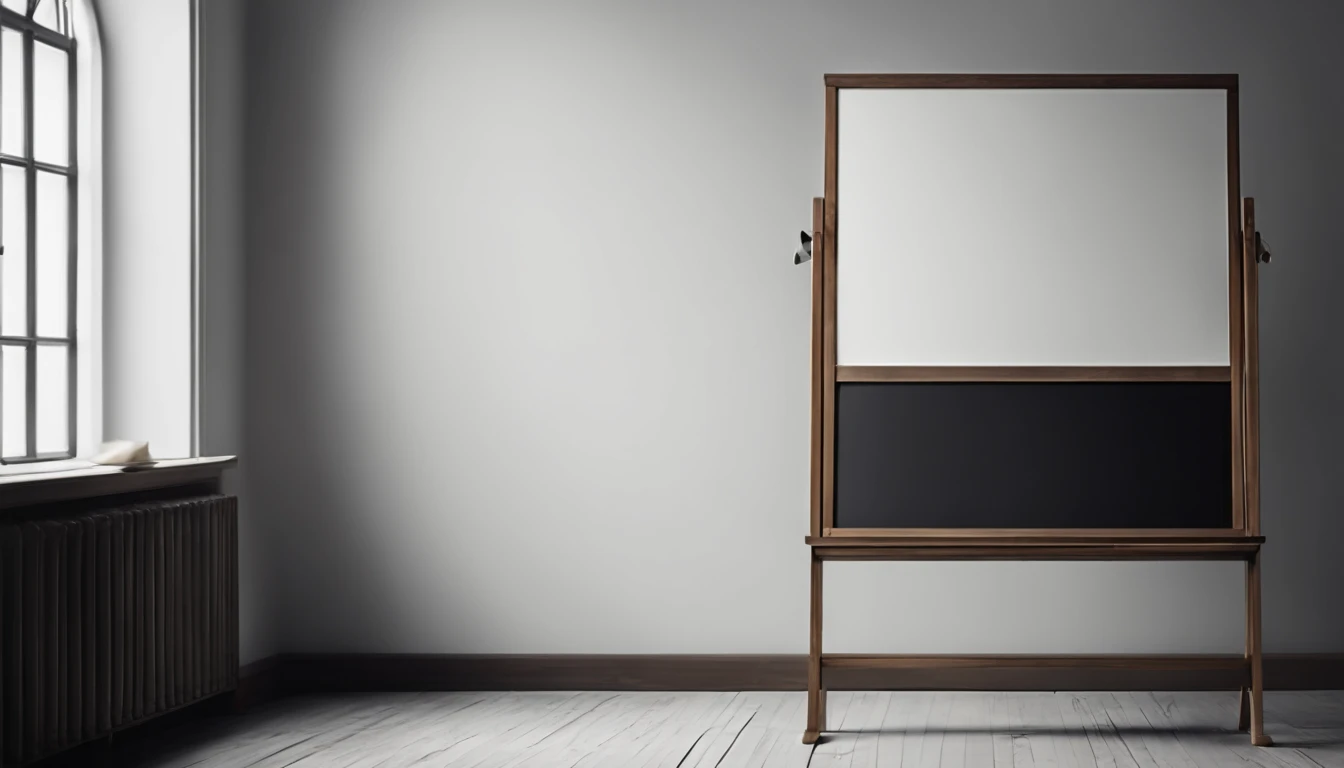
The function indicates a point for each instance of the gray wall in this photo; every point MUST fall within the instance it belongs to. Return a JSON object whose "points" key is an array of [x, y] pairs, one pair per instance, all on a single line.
{"points": [[222, 165], [527, 361]]}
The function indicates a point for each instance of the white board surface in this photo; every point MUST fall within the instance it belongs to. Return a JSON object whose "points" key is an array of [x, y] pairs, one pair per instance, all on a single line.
{"points": [[1032, 227]]}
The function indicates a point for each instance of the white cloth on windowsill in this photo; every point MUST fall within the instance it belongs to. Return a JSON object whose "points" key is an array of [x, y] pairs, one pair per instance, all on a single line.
{"points": [[122, 452]]}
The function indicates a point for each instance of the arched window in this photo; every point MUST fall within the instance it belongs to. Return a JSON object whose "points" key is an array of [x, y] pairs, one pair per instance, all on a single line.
{"points": [[44, 296]]}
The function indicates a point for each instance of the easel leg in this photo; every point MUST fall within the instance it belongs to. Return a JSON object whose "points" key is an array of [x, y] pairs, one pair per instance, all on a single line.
{"points": [[1257, 692], [816, 697], [1244, 711]]}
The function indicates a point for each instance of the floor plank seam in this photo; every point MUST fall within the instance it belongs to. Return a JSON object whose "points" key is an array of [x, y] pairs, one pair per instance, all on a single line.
{"points": [[1123, 741], [750, 717]]}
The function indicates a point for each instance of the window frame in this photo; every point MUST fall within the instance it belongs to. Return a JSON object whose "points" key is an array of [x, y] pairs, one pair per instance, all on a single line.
{"points": [[34, 33]]}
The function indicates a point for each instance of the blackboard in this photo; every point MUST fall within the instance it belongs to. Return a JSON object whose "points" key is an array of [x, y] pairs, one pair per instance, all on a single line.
{"points": [[1033, 455]]}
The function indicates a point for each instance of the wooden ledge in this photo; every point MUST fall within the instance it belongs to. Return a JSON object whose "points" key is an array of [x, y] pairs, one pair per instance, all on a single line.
{"points": [[1148, 547], [1013, 373], [1000, 661], [1026, 538]]}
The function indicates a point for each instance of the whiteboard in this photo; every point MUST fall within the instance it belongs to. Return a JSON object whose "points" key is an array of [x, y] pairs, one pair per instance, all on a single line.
{"points": [[1049, 227]]}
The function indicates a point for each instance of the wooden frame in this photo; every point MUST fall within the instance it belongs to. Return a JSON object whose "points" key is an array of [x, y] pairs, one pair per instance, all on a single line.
{"points": [[832, 373], [1241, 541], [931, 80], [1252, 706]]}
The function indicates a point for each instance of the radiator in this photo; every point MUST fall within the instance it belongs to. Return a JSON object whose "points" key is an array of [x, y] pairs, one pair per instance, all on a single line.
{"points": [[109, 617]]}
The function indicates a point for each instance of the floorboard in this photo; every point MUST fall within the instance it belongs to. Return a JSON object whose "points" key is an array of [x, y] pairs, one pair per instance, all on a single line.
{"points": [[753, 730]]}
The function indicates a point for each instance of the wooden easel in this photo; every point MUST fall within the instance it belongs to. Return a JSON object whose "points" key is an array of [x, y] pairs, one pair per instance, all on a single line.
{"points": [[1241, 542]]}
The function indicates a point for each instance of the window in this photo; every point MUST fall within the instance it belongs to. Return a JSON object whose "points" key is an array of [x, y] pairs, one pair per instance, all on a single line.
{"points": [[38, 232]]}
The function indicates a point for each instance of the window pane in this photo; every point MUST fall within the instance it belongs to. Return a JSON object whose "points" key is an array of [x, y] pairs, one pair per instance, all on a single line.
{"points": [[51, 104], [14, 262], [13, 392], [11, 92], [53, 14], [52, 393], [53, 253], [46, 13], [19, 5]]}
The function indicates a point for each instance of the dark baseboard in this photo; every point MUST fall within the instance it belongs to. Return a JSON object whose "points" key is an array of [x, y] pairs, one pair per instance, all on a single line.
{"points": [[258, 682], [544, 672], [1304, 671], [306, 673], [1088, 673]]}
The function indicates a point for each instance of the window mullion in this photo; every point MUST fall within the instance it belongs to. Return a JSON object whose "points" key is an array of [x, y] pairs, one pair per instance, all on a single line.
{"points": [[30, 191], [72, 265], [17, 21]]}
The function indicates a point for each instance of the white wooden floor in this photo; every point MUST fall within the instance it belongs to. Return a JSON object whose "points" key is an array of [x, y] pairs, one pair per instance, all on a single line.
{"points": [[731, 730]]}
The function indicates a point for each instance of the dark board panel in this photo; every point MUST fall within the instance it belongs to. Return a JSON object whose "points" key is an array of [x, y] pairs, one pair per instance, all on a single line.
{"points": [[1033, 455]]}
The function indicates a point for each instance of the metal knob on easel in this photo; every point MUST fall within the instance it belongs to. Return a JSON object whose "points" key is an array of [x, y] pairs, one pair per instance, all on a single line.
{"points": [[1262, 254]]}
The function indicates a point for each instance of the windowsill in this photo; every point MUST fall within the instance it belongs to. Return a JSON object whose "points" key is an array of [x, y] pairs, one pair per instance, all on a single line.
{"points": [[76, 479], [43, 468]]}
